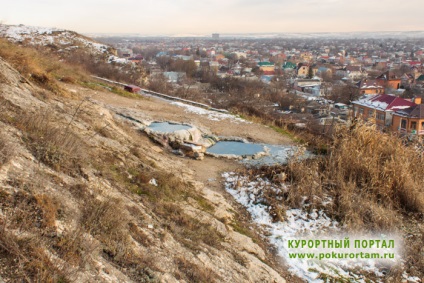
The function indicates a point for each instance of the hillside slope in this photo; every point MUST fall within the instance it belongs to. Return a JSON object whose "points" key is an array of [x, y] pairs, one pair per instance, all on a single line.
{"points": [[59, 39], [85, 197]]}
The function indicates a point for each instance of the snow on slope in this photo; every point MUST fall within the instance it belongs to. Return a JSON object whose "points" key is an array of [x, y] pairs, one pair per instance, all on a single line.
{"points": [[50, 36], [212, 115], [300, 222]]}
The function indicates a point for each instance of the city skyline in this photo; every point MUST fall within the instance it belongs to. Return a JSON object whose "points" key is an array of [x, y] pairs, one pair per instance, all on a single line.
{"points": [[170, 17]]}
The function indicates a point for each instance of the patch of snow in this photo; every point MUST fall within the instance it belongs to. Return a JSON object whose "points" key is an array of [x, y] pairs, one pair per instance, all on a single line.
{"points": [[117, 60], [211, 115], [299, 224], [410, 279], [49, 36], [401, 107]]}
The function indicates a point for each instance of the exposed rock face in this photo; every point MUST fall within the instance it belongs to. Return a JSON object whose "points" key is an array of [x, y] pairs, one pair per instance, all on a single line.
{"points": [[78, 201], [190, 142]]}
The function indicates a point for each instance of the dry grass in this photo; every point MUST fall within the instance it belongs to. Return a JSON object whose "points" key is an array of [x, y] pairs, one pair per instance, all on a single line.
{"points": [[380, 170], [375, 182], [51, 143], [25, 260], [107, 221], [6, 150], [193, 273], [42, 67], [373, 179], [22, 247], [164, 201], [186, 229]]}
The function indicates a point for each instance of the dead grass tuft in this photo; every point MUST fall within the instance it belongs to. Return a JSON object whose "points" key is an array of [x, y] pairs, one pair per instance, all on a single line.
{"points": [[25, 260], [52, 144], [49, 208], [371, 176], [107, 221], [188, 230], [194, 273], [381, 168], [375, 182], [41, 66], [6, 150], [22, 248]]}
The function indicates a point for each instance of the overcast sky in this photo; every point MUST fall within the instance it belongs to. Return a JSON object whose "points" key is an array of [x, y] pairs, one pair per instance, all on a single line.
{"points": [[222, 16]]}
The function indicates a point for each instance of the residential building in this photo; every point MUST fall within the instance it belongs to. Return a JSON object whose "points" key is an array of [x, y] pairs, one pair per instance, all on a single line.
{"points": [[381, 107], [410, 120], [367, 87], [388, 80], [267, 68], [303, 71], [312, 86], [289, 65]]}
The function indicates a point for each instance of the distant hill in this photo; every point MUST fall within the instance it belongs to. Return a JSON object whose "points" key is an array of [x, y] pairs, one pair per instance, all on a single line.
{"points": [[59, 39], [69, 47]]}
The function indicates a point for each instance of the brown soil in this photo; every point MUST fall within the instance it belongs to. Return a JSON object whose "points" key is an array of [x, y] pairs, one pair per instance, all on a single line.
{"points": [[209, 170], [162, 110]]}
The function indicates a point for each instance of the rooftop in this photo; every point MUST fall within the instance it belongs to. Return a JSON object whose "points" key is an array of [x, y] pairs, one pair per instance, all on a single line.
{"points": [[385, 102]]}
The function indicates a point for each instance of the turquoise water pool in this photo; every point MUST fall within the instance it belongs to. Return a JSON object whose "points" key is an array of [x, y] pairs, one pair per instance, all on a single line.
{"points": [[166, 127], [235, 148]]}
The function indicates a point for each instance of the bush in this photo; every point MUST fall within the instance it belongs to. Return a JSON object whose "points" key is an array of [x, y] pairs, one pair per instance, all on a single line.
{"points": [[372, 177], [382, 169]]}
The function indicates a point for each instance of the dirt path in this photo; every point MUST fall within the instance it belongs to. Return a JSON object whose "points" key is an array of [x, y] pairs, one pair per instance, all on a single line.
{"points": [[153, 108], [207, 171]]}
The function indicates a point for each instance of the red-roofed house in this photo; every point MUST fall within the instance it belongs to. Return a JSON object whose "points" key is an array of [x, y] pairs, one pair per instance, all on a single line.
{"points": [[415, 63], [381, 106], [410, 120]]}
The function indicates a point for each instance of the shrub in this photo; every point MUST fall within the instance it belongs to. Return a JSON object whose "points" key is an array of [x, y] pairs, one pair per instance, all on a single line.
{"points": [[371, 176], [383, 170]]}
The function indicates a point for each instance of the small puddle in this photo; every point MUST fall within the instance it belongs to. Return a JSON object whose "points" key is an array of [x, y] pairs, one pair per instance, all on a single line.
{"points": [[166, 127], [235, 148], [273, 154]]}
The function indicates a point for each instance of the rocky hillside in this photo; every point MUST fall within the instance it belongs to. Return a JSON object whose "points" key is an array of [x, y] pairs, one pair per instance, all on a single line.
{"points": [[86, 197], [63, 41]]}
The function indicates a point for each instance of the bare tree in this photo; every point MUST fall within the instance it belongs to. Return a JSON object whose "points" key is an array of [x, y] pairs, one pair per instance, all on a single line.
{"points": [[345, 93]]}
